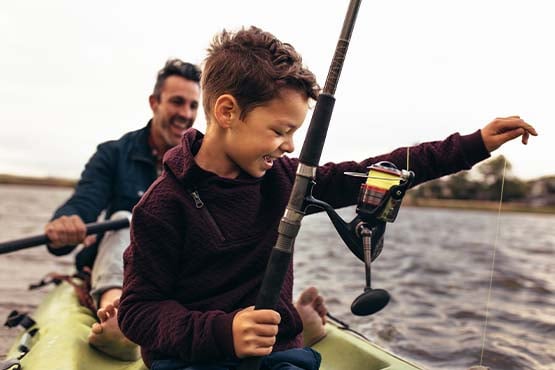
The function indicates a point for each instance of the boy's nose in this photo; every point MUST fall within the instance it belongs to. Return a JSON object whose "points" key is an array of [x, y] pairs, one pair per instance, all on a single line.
{"points": [[288, 146]]}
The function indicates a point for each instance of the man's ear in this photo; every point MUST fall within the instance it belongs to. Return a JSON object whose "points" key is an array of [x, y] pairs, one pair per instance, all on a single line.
{"points": [[226, 110], [153, 101]]}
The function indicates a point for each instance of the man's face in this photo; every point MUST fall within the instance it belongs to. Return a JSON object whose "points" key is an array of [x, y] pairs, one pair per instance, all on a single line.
{"points": [[174, 111]]}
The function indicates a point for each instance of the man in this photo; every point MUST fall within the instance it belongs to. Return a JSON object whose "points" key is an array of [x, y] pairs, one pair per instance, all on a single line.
{"points": [[113, 181]]}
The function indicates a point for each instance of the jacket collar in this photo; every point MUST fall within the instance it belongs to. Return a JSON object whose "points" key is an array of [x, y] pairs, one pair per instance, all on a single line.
{"points": [[140, 149]]}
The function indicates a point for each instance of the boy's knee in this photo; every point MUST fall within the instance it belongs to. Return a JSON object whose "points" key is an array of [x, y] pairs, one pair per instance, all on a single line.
{"points": [[120, 215]]}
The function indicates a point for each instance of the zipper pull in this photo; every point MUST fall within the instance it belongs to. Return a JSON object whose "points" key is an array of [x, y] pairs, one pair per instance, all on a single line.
{"points": [[198, 202]]}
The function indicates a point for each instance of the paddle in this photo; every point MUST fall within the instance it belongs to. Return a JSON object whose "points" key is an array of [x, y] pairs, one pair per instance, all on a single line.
{"points": [[33, 241], [304, 180]]}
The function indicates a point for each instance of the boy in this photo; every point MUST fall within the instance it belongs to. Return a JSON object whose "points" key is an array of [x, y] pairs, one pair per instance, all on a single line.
{"points": [[201, 236]]}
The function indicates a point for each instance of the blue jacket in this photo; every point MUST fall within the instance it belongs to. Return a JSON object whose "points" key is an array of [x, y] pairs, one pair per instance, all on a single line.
{"points": [[114, 179]]}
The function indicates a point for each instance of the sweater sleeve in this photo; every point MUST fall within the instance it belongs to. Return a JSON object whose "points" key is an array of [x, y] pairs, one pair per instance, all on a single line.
{"points": [[93, 191], [428, 161], [149, 314]]}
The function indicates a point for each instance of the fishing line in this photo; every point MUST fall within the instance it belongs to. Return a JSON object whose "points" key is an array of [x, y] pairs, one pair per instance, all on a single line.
{"points": [[493, 260], [408, 154]]}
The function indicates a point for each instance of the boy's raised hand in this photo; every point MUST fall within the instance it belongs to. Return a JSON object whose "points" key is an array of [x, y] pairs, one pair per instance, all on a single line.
{"points": [[254, 332], [501, 130]]}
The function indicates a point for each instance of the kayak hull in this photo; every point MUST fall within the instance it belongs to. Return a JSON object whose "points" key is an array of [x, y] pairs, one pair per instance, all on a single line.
{"points": [[64, 325], [61, 341]]}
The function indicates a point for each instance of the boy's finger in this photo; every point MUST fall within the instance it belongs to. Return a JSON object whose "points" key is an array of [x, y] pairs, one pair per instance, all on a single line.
{"points": [[519, 125], [525, 137], [523, 124], [268, 317], [265, 342], [262, 351], [510, 135], [530, 130], [266, 330]]}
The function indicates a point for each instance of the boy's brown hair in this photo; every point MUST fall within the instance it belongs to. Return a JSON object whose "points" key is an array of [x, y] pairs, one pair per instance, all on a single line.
{"points": [[253, 66]]}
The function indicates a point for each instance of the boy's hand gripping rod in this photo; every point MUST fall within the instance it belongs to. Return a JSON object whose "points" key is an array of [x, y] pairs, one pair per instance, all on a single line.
{"points": [[290, 223]]}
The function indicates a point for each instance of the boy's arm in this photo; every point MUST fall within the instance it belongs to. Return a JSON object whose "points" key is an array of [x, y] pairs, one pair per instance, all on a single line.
{"points": [[149, 315], [429, 160]]}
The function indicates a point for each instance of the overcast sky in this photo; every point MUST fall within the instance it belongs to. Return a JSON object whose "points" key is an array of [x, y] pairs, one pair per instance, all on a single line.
{"points": [[74, 73]]}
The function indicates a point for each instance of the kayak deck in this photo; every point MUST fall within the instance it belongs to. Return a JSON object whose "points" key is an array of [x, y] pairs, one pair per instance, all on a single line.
{"points": [[343, 350], [64, 325]]}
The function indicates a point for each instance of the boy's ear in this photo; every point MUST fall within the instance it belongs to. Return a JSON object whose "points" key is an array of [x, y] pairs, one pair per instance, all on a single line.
{"points": [[226, 110]]}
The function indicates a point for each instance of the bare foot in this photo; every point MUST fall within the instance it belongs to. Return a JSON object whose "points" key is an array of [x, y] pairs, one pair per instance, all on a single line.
{"points": [[312, 310], [107, 337]]}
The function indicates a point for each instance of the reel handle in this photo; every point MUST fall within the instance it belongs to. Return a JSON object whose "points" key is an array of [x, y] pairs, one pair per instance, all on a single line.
{"points": [[371, 300]]}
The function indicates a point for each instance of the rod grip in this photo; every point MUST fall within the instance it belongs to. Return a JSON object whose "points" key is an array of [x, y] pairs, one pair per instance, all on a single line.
{"points": [[273, 279], [269, 294]]}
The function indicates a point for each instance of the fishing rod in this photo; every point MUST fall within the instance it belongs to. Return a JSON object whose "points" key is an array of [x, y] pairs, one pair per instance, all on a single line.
{"points": [[309, 158], [33, 241]]}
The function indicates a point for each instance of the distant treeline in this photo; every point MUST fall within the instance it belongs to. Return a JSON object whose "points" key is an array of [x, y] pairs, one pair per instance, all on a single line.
{"points": [[484, 183], [37, 181], [476, 189]]}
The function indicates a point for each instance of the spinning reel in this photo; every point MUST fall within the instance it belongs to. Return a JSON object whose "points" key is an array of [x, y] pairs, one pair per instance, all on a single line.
{"points": [[379, 201]]}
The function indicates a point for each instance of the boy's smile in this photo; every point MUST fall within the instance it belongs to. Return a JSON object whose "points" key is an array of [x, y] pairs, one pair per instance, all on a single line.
{"points": [[269, 160]]}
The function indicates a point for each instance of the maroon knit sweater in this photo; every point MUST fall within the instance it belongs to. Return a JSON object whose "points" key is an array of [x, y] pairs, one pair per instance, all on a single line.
{"points": [[200, 244]]}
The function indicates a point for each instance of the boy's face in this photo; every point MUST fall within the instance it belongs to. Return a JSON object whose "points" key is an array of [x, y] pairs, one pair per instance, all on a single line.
{"points": [[265, 134]]}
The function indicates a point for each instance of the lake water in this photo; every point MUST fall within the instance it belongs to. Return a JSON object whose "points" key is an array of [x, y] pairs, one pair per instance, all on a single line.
{"points": [[436, 264]]}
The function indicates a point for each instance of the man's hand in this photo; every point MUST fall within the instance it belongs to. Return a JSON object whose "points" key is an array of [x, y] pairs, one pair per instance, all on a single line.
{"points": [[66, 230], [501, 130], [254, 332]]}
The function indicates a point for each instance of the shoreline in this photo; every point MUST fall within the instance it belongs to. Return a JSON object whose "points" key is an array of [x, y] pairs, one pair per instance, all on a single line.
{"points": [[478, 205], [16, 180], [409, 201]]}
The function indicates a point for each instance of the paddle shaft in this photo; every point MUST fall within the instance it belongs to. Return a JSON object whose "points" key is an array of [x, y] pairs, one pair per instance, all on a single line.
{"points": [[33, 241], [290, 223]]}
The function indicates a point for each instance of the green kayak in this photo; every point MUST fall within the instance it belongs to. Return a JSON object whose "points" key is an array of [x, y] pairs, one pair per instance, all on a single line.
{"points": [[63, 326]]}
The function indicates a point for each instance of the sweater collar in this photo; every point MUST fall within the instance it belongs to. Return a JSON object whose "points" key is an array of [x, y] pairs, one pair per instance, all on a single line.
{"points": [[180, 161]]}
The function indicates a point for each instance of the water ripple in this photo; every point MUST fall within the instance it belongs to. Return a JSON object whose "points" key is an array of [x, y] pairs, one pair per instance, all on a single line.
{"points": [[436, 264]]}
